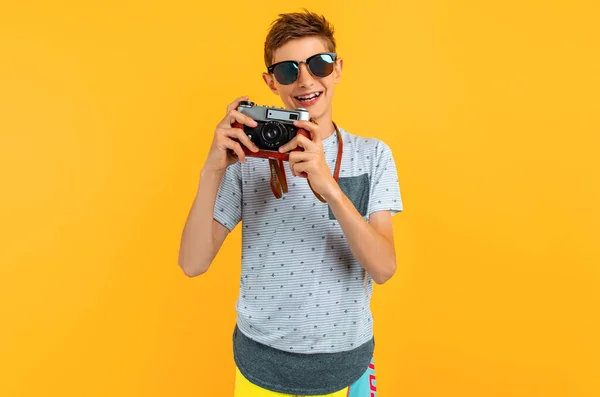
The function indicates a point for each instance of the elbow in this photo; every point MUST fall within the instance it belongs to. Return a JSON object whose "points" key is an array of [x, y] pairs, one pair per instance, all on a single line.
{"points": [[193, 269], [191, 272], [385, 266], [385, 275]]}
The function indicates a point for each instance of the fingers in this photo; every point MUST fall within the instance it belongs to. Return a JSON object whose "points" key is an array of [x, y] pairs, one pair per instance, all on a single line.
{"points": [[237, 133], [291, 145], [234, 116], [300, 169], [298, 140], [298, 162], [233, 105], [231, 139], [292, 163], [305, 143], [240, 136], [237, 149], [311, 128]]}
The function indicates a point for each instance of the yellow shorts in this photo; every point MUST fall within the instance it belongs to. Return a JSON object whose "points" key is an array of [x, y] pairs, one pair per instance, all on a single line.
{"points": [[365, 386]]}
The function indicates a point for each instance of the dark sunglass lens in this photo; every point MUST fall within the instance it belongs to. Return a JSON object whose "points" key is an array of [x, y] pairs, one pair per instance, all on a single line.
{"points": [[285, 73], [321, 65]]}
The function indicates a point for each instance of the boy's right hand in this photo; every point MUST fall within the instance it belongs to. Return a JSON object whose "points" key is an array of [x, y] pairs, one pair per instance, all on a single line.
{"points": [[226, 146]]}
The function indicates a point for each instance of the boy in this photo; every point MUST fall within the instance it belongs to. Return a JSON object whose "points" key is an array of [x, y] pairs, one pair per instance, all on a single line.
{"points": [[304, 325]]}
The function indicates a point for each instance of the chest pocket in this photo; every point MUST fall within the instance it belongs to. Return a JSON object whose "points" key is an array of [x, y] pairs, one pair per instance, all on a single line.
{"points": [[356, 188]]}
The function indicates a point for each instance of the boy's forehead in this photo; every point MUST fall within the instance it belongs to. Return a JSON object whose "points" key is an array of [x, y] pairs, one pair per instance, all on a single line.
{"points": [[299, 49]]}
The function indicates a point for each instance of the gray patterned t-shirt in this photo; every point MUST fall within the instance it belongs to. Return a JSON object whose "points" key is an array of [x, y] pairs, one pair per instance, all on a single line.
{"points": [[301, 289]]}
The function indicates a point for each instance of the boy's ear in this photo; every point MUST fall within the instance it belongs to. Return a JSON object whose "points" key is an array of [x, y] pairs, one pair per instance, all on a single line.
{"points": [[338, 70], [270, 83]]}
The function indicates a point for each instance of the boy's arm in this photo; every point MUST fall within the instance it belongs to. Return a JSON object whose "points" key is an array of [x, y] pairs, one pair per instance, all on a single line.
{"points": [[371, 243], [202, 236]]}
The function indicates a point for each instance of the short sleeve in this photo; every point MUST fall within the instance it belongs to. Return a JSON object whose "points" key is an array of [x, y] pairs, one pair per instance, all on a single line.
{"points": [[384, 185], [228, 204]]}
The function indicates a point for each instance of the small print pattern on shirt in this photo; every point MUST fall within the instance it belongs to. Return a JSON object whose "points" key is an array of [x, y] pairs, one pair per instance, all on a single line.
{"points": [[301, 289]]}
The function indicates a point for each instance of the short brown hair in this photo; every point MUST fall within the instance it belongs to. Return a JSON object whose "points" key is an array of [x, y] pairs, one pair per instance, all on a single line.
{"points": [[296, 25]]}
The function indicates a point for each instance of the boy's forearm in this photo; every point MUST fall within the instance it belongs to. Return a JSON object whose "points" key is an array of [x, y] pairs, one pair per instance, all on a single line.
{"points": [[372, 250], [197, 241]]}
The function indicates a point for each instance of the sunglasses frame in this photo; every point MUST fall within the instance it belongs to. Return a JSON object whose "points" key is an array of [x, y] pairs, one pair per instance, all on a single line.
{"points": [[271, 68]]}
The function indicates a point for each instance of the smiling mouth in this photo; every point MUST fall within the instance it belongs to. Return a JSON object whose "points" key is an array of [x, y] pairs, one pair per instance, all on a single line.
{"points": [[308, 99]]}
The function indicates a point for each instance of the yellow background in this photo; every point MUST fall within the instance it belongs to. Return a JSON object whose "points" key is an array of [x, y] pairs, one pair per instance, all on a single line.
{"points": [[491, 109]]}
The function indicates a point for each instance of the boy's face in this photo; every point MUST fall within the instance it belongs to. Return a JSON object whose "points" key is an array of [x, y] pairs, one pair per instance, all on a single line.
{"points": [[306, 83]]}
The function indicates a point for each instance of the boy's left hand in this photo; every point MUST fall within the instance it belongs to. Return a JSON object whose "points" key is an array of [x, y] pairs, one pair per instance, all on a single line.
{"points": [[311, 161]]}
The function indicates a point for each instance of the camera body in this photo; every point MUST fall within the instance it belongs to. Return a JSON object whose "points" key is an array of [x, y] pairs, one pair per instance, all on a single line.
{"points": [[274, 125]]}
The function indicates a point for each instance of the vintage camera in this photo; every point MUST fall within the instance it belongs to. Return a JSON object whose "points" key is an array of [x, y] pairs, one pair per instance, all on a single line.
{"points": [[275, 125]]}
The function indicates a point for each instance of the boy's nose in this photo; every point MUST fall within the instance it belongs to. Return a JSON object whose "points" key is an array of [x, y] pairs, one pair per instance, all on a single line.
{"points": [[305, 78]]}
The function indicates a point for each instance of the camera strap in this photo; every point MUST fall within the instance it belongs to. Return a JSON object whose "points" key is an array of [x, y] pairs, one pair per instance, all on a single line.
{"points": [[279, 182]]}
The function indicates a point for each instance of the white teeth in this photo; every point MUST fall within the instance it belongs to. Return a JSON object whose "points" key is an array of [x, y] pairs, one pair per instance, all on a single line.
{"points": [[308, 97]]}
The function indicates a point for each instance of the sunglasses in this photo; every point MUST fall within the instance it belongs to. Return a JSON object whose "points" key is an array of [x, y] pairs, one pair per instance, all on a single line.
{"points": [[319, 65]]}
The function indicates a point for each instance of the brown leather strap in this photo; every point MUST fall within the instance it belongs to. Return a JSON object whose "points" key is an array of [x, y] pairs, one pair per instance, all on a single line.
{"points": [[278, 179], [338, 161], [281, 174]]}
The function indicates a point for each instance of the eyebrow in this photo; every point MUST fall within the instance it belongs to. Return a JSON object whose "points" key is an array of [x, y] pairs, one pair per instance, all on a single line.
{"points": [[304, 60]]}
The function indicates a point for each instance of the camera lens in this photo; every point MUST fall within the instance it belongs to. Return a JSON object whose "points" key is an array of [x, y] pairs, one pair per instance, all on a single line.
{"points": [[272, 134]]}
